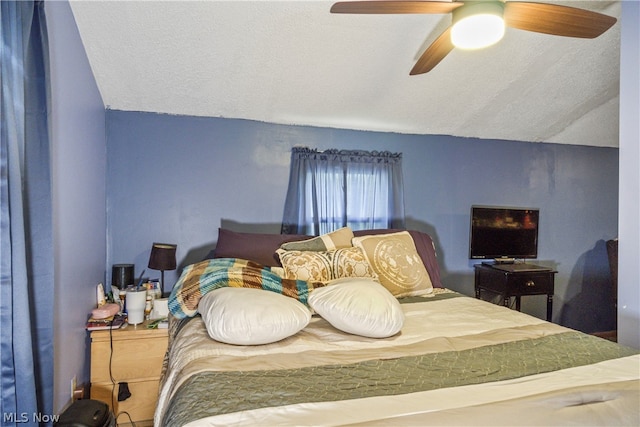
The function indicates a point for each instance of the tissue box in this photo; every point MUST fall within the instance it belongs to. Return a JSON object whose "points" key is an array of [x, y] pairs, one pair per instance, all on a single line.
{"points": [[160, 308]]}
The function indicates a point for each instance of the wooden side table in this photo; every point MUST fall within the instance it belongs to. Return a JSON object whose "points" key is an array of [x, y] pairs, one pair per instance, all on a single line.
{"points": [[515, 280], [136, 355]]}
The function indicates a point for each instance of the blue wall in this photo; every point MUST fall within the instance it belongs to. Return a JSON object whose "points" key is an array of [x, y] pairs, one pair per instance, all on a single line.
{"points": [[78, 162], [176, 179], [629, 210]]}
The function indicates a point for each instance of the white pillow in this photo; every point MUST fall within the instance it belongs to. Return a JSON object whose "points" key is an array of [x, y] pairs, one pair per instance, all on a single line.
{"points": [[245, 316], [358, 306]]}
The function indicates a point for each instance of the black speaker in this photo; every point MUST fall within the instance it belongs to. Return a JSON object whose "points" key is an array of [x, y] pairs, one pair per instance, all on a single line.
{"points": [[86, 413], [122, 275]]}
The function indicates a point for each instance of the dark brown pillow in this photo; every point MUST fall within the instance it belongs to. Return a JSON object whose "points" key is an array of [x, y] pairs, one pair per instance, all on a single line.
{"points": [[257, 247]]}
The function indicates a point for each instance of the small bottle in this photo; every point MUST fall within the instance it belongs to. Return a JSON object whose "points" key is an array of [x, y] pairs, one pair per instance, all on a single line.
{"points": [[147, 307], [122, 295], [156, 290], [100, 299]]}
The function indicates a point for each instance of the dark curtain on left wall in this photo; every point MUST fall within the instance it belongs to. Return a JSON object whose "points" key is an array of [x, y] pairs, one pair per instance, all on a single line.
{"points": [[26, 236]]}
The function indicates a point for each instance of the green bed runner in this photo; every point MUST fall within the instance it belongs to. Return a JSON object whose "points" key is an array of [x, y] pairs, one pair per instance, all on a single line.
{"points": [[214, 393]]}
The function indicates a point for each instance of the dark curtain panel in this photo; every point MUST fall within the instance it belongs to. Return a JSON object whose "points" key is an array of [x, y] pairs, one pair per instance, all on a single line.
{"points": [[26, 238], [337, 188]]}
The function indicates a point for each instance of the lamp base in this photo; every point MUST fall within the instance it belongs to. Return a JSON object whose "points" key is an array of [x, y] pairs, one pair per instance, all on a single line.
{"points": [[162, 283]]}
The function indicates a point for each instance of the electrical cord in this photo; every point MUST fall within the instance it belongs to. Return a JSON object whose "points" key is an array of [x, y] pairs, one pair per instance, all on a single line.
{"points": [[128, 416], [113, 383]]}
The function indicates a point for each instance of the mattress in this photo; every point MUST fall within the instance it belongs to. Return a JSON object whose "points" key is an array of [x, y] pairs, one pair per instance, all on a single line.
{"points": [[456, 361]]}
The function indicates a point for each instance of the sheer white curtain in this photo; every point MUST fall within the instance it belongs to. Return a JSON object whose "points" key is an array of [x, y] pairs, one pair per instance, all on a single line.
{"points": [[337, 188]]}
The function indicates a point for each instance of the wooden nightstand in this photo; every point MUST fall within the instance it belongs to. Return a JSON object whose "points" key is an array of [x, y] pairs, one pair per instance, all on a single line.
{"points": [[516, 280], [136, 359]]}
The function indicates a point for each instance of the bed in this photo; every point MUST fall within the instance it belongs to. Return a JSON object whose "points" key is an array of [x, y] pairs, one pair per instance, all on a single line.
{"points": [[362, 353]]}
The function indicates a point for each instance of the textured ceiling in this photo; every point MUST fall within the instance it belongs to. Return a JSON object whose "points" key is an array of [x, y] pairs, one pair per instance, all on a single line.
{"points": [[295, 63]]}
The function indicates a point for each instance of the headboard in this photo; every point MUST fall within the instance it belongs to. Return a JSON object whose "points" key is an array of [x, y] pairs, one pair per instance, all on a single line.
{"points": [[261, 248]]}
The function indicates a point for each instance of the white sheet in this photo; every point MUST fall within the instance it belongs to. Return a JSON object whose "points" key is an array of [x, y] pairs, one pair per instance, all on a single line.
{"points": [[452, 324]]}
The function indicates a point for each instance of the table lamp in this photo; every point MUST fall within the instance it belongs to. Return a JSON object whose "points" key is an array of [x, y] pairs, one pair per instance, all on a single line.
{"points": [[163, 257]]}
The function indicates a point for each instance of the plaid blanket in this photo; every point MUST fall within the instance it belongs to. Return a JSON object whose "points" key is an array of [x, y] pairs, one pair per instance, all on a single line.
{"points": [[198, 279]]}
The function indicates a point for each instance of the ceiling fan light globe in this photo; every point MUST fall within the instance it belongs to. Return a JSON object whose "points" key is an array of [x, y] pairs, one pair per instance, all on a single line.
{"points": [[477, 25], [478, 31]]}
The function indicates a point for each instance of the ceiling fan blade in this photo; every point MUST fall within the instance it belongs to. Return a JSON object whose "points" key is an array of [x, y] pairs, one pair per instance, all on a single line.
{"points": [[391, 7], [434, 54], [556, 19]]}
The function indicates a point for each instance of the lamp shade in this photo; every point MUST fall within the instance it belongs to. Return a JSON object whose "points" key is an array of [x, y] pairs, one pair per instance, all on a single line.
{"points": [[163, 257]]}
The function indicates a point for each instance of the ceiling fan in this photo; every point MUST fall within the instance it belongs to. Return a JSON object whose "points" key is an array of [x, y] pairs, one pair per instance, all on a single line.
{"points": [[481, 23]]}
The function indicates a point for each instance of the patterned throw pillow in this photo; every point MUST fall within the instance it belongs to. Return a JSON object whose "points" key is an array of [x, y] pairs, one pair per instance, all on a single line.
{"points": [[351, 262], [337, 239], [325, 265], [395, 259], [306, 265]]}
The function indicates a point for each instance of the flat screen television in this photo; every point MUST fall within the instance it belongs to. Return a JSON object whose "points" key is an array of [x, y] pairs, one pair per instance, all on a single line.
{"points": [[503, 233]]}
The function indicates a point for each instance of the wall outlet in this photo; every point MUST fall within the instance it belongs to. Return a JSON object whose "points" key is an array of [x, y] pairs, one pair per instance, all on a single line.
{"points": [[74, 383], [79, 393]]}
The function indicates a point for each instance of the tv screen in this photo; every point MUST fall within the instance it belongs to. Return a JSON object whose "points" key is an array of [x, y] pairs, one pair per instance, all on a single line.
{"points": [[503, 232]]}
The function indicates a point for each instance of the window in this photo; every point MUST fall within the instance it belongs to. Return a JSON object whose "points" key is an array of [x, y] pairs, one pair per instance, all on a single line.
{"points": [[338, 188]]}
